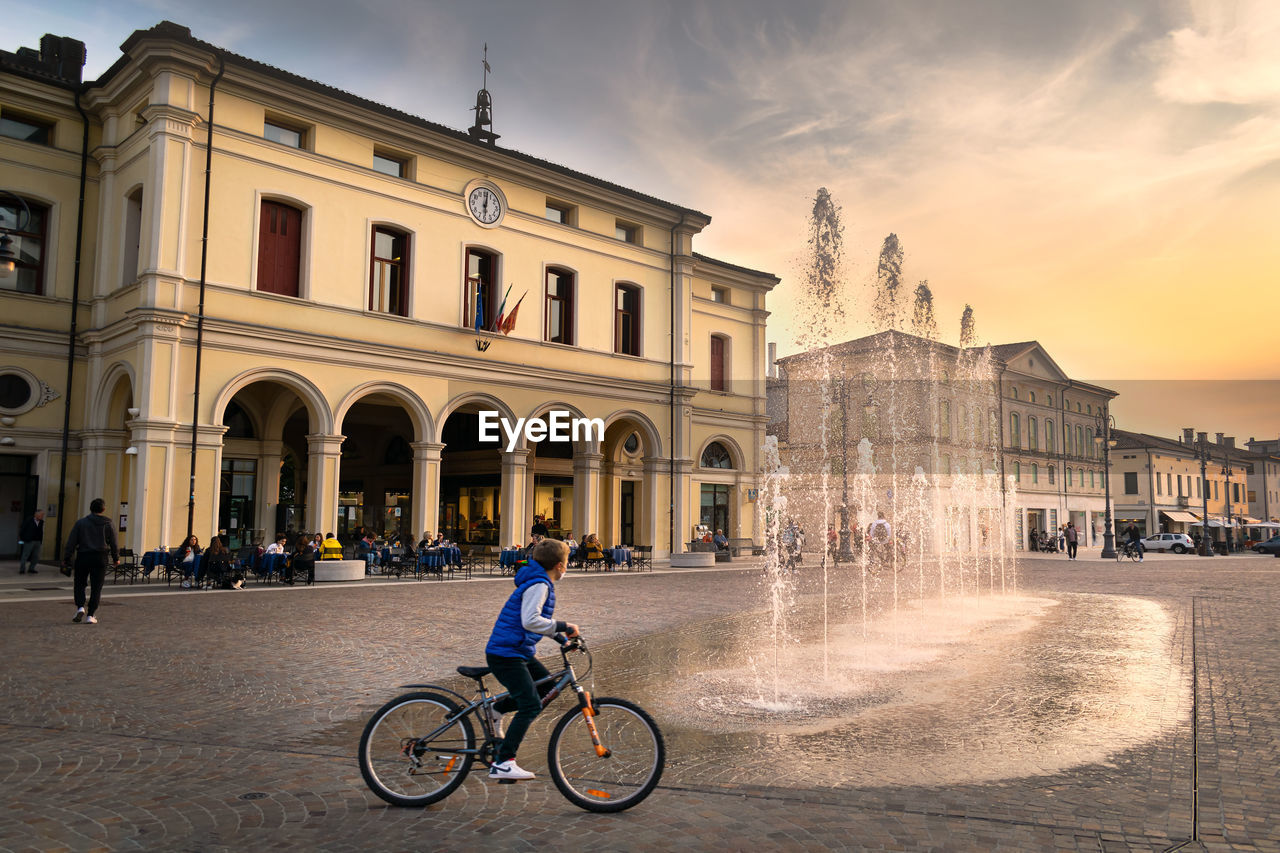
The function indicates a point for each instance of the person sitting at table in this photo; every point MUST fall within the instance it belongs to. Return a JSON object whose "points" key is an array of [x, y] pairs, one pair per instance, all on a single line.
{"points": [[219, 567], [330, 548], [573, 549], [303, 562], [277, 547], [591, 549], [365, 551], [186, 558]]}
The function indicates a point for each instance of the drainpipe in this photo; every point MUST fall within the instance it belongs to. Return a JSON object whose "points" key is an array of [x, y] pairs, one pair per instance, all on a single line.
{"points": [[204, 258], [71, 331]]}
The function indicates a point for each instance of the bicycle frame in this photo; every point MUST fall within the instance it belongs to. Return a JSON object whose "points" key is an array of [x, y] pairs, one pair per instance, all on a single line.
{"points": [[562, 679]]}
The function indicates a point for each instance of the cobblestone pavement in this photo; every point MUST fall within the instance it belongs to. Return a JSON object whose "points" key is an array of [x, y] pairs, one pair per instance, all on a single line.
{"points": [[228, 721]]}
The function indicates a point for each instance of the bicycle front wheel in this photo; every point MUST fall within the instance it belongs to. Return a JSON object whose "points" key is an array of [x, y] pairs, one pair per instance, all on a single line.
{"points": [[630, 772], [410, 752]]}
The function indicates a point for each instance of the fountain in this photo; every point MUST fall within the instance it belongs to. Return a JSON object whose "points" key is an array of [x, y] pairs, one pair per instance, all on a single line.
{"points": [[905, 643]]}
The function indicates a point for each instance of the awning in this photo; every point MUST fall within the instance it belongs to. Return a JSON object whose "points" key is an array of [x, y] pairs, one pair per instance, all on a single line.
{"points": [[1249, 521], [1178, 515], [1213, 522]]}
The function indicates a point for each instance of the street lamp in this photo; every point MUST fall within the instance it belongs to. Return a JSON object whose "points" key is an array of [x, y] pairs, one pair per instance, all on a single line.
{"points": [[1102, 437], [22, 220], [1206, 543], [846, 552], [1226, 519]]}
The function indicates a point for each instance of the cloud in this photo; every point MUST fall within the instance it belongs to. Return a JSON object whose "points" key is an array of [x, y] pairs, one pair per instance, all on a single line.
{"points": [[1229, 54]]}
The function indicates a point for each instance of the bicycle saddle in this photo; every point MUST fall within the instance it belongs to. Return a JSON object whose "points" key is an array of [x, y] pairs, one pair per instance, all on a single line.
{"points": [[473, 671]]}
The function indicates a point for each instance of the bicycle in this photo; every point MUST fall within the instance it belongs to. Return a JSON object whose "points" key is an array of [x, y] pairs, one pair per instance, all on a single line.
{"points": [[605, 755], [1128, 549]]}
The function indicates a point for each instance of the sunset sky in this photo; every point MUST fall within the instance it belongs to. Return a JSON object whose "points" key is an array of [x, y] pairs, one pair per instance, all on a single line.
{"points": [[1103, 177]]}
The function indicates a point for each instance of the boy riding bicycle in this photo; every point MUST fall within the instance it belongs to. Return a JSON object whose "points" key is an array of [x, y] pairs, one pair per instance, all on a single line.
{"points": [[524, 620]]}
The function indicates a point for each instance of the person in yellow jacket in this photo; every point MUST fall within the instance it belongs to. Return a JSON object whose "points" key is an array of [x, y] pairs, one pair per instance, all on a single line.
{"points": [[331, 548]]}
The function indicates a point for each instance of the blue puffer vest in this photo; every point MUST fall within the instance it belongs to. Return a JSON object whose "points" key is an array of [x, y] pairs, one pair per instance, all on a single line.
{"points": [[509, 638]]}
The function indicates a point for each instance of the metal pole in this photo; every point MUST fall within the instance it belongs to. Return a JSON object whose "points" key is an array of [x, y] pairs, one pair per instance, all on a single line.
{"points": [[204, 257], [1108, 534], [1226, 497], [846, 535], [1206, 543]]}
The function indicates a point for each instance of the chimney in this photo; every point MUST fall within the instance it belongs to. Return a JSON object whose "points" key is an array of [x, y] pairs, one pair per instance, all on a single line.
{"points": [[771, 365], [1188, 435], [1219, 435], [1230, 442], [61, 56], [1202, 437]]}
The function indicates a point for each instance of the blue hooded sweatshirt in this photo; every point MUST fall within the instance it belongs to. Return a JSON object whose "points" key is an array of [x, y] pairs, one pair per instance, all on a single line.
{"points": [[510, 639]]}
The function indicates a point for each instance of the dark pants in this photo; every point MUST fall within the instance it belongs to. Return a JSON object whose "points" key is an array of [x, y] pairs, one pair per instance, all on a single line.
{"points": [[518, 676], [1071, 548], [91, 568], [30, 557]]}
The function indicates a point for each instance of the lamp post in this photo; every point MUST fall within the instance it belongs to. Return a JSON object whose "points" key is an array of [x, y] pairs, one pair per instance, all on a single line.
{"points": [[845, 553], [1102, 437], [1226, 505], [1207, 544]]}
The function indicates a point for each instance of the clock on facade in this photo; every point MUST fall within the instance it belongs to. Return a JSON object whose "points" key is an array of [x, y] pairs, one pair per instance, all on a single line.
{"points": [[485, 205]]}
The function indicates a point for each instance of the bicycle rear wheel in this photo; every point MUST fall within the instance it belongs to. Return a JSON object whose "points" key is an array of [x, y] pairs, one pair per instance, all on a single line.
{"points": [[632, 769], [401, 764]]}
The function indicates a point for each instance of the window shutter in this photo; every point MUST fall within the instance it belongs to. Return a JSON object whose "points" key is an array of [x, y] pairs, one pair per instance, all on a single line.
{"points": [[279, 249], [717, 364]]}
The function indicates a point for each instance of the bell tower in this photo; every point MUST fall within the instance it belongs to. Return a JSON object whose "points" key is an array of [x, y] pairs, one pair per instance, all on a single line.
{"points": [[482, 130]]}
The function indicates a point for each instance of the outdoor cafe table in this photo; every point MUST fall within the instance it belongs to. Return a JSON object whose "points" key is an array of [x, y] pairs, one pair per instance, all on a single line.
{"points": [[620, 556], [508, 558], [434, 558]]}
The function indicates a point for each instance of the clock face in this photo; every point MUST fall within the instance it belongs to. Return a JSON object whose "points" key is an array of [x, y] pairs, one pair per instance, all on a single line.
{"points": [[485, 205]]}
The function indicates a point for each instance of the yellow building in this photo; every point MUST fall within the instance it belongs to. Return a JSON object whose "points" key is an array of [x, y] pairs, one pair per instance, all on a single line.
{"points": [[336, 374]]}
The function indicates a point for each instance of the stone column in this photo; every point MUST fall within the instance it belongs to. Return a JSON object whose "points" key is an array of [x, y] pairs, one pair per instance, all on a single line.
{"points": [[651, 515], [269, 459], [324, 463], [426, 486], [586, 493], [515, 473]]}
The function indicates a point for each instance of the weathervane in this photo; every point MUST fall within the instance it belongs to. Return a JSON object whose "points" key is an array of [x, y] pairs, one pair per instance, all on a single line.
{"points": [[482, 130]]}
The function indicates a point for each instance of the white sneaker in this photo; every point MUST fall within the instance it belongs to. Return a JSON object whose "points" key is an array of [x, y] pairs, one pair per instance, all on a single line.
{"points": [[509, 770], [79, 615], [495, 719], [92, 620]]}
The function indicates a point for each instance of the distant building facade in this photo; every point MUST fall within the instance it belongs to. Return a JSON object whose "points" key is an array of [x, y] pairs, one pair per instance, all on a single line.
{"points": [[999, 429], [1158, 487]]}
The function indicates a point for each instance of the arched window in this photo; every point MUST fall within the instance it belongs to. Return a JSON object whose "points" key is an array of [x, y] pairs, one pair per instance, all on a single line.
{"points": [[1091, 483], [1013, 392], [944, 419], [1031, 396], [1069, 478], [1089, 449], [1017, 471], [1033, 438], [1015, 434], [1052, 472], [132, 237], [1079, 441], [1049, 438], [1035, 473], [715, 456]]}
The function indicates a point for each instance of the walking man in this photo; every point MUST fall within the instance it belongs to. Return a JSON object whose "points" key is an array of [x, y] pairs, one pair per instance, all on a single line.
{"points": [[91, 541], [1073, 540], [31, 540]]}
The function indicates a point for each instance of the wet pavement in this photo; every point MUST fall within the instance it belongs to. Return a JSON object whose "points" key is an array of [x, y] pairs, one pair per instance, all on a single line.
{"points": [[1058, 718]]}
